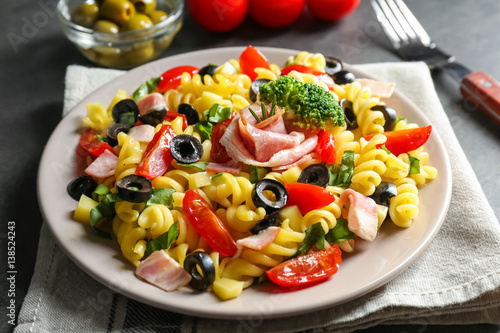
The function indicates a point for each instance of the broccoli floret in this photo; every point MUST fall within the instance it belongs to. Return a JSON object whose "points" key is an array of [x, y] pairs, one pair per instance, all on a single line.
{"points": [[307, 104]]}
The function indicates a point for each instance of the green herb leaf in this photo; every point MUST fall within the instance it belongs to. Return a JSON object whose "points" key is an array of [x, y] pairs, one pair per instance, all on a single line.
{"points": [[164, 241], [414, 165], [398, 119], [315, 235], [161, 196], [254, 115], [100, 191], [218, 113], [199, 165], [257, 173], [127, 118], [205, 128], [339, 233], [384, 148], [146, 88], [104, 210], [340, 174]]}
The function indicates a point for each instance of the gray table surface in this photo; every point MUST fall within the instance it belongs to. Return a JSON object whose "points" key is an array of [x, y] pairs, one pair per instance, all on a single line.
{"points": [[32, 85]]}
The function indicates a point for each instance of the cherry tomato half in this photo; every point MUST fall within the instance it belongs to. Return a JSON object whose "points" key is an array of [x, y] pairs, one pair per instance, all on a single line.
{"points": [[157, 157], [403, 141], [171, 79], [91, 143], [330, 10], [203, 219], [250, 59], [275, 13], [218, 152], [171, 115], [326, 147], [307, 269], [308, 197], [220, 15]]}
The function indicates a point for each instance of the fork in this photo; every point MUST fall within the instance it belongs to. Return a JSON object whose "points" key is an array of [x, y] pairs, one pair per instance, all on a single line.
{"points": [[412, 43]]}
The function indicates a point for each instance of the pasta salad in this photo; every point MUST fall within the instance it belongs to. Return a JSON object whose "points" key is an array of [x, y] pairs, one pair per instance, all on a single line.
{"points": [[220, 177]]}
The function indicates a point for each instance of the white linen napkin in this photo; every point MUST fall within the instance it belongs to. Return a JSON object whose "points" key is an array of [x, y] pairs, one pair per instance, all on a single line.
{"points": [[455, 281]]}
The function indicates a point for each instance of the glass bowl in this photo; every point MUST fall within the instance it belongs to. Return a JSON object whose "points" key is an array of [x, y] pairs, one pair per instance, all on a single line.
{"points": [[127, 49]]}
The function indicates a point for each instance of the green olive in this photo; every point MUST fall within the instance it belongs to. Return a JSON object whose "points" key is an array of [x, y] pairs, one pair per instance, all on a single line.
{"points": [[157, 16], [144, 6], [118, 11], [136, 22], [86, 14], [106, 26], [141, 53]]}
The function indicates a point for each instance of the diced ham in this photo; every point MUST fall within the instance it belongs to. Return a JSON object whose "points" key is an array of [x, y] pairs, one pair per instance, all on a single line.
{"points": [[162, 271], [378, 88], [362, 215], [261, 240], [142, 133], [103, 166], [151, 102], [230, 167]]}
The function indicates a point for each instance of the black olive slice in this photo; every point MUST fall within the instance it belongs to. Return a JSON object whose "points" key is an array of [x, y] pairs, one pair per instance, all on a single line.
{"points": [[125, 112], [255, 88], [389, 115], [333, 65], [349, 116], [315, 174], [186, 148], [271, 220], [190, 112], [154, 117], [383, 193], [134, 188], [113, 130], [207, 70], [343, 77], [196, 262], [81, 185], [261, 200]]}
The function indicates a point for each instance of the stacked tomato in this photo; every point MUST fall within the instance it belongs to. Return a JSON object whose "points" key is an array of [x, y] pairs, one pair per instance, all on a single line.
{"points": [[224, 15]]}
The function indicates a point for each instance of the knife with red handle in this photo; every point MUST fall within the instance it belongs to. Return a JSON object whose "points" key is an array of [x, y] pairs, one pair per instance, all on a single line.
{"points": [[483, 91]]}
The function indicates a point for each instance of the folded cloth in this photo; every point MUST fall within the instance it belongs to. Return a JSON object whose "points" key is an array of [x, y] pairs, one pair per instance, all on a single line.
{"points": [[455, 281]]}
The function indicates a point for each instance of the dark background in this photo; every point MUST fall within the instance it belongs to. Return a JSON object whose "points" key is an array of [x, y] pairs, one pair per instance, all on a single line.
{"points": [[32, 86]]}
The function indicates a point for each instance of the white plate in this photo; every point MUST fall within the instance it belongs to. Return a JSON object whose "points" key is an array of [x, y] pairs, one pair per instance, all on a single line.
{"points": [[371, 266]]}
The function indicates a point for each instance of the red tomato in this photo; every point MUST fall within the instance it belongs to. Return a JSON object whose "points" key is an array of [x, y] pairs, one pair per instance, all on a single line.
{"points": [[308, 197], [330, 10], [326, 147], [250, 59], [218, 152], [306, 269], [203, 219], [220, 15], [91, 143], [171, 79], [157, 157], [403, 141], [275, 13], [321, 76], [171, 115]]}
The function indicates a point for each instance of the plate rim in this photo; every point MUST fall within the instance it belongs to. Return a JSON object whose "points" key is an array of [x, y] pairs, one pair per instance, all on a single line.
{"points": [[217, 314]]}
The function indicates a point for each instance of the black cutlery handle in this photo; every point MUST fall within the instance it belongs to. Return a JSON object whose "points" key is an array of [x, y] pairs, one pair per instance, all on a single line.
{"points": [[483, 92]]}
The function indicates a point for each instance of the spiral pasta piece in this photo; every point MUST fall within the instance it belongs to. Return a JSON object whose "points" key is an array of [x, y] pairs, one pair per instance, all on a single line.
{"points": [[131, 238], [130, 155], [316, 61], [404, 206], [156, 220]]}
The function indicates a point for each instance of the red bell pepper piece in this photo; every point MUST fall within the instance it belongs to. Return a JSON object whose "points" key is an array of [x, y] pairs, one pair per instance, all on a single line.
{"points": [[91, 143], [403, 141], [326, 147], [203, 219], [171, 79], [171, 115], [307, 269], [321, 76], [157, 157], [307, 197], [250, 59]]}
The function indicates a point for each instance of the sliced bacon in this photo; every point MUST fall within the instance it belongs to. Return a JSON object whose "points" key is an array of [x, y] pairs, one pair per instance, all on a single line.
{"points": [[261, 240], [362, 215], [162, 271], [151, 102], [103, 166], [230, 167], [142, 133], [378, 88]]}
